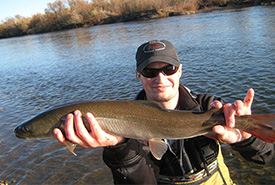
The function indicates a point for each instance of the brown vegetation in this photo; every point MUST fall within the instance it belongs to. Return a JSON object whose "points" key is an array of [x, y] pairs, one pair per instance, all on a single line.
{"points": [[66, 14]]}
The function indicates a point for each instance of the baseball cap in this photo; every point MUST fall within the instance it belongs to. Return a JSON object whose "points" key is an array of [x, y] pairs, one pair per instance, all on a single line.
{"points": [[156, 51]]}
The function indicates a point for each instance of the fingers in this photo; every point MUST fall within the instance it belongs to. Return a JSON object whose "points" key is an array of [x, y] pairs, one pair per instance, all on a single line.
{"points": [[75, 131], [229, 114], [248, 101], [244, 108], [78, 132], [101, 138], [228, 135], [70, 131], [221, 132], [216, 104], [249, 97], [95, 128], [59, 136], [69, 128], [98, 135], [239, 107], [219, 129]]}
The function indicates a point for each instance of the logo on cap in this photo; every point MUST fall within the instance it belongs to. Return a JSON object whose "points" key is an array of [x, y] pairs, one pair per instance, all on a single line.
{"points": [[154, 46]]}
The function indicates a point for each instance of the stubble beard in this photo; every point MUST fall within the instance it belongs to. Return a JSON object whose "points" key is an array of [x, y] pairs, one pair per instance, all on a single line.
{"points": [[163, 97]]}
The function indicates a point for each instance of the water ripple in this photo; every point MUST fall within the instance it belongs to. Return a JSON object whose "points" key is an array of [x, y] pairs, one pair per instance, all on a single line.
{"points": [[223, 53]]}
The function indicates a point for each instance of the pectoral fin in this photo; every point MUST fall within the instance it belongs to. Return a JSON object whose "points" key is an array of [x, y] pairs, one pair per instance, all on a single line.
{"points": [[71, 146], [158, 148]]}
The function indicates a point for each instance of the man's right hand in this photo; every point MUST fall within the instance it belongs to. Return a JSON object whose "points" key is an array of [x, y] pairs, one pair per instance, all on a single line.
{"points": [[76, 132]]}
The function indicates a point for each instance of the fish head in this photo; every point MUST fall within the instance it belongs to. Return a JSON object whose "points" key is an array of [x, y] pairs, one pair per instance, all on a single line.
{"points": [[39, 127]]}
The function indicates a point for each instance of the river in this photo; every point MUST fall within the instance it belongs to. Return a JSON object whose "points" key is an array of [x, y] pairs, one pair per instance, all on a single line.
{"points": [[224, 53]]}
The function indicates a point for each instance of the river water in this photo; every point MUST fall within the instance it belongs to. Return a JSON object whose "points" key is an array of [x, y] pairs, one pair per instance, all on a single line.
{"points": [[223, 53]]}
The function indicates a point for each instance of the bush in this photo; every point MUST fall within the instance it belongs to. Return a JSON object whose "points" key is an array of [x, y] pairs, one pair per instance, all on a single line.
{"points": [[65, 14]]}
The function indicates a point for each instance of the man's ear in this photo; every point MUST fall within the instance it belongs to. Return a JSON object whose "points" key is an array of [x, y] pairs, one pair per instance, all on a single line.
{"points": [[180, 70], [138, 75]]}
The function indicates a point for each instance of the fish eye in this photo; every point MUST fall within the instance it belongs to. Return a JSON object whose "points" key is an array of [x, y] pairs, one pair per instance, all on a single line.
{"points": [[26, 129]]}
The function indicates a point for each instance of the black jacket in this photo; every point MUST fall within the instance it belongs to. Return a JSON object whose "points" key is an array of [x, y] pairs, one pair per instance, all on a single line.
{"points": [[132, 162]]}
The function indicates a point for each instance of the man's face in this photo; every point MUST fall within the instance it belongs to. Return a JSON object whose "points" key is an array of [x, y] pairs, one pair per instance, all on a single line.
{"points": [[163, 87]]}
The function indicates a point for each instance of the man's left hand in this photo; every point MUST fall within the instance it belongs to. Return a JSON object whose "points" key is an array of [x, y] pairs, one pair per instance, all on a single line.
{"points": [[227, 133]]}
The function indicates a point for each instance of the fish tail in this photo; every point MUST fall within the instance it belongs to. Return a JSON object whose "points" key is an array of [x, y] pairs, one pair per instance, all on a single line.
{"points": [[261, 126]]}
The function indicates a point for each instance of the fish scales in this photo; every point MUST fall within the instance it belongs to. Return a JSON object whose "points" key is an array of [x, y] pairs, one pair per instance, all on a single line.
{"points": [[143, 120]]}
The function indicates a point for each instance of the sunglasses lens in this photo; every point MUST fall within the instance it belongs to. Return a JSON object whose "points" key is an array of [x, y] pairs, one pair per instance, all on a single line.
{"points": [[170, 70], [152, 73]]}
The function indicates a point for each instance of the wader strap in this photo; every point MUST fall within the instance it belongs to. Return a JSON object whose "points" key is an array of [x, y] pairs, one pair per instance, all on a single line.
{"points": [[219, 170], [184, 159], [204, 162]]}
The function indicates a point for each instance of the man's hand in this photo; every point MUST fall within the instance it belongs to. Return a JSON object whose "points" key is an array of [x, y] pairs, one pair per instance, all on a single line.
{"points": [[76, 132], [228, 134]]}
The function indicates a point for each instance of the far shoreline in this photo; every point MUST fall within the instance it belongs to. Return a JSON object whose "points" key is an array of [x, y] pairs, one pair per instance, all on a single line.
{"points": [[18, 29]]}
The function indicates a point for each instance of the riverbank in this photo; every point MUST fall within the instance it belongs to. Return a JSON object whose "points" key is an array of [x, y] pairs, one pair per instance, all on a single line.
{"points": [[69, 14], [168, 12]]}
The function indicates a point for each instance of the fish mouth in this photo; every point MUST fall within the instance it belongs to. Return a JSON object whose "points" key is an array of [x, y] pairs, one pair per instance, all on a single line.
{"points": [[22, 132], [19, 133], [20, 136]]}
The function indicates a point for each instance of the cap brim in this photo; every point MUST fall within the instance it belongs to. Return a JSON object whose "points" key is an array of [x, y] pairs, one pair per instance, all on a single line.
{"points": [[152, 59]]}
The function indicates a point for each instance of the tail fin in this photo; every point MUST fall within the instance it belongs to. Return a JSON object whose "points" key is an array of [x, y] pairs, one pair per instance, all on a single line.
{"points": [[261, 126]]}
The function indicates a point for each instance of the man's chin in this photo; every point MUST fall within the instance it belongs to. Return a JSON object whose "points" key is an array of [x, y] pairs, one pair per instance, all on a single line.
{"points": [[161, 97]]}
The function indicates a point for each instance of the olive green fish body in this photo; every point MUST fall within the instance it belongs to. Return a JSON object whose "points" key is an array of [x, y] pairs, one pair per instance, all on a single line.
{"points": [[131, 119], [144, 120]]}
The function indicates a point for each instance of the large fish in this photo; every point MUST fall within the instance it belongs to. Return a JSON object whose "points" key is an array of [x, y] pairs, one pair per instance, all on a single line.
{"points": [[144, 120]]}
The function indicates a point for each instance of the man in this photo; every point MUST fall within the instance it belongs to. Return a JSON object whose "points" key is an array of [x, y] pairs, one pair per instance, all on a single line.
{"points": [[188, 161]]}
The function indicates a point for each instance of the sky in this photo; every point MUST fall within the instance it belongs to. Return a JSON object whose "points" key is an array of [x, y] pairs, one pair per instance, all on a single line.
{"points": [[25, 8]]}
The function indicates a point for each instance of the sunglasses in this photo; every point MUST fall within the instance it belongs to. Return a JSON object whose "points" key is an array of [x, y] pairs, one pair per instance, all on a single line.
{"points": [[152, 73]]}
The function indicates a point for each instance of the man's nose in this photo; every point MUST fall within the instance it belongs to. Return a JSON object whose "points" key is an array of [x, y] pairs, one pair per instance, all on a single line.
{"points": [[161, 76]]}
